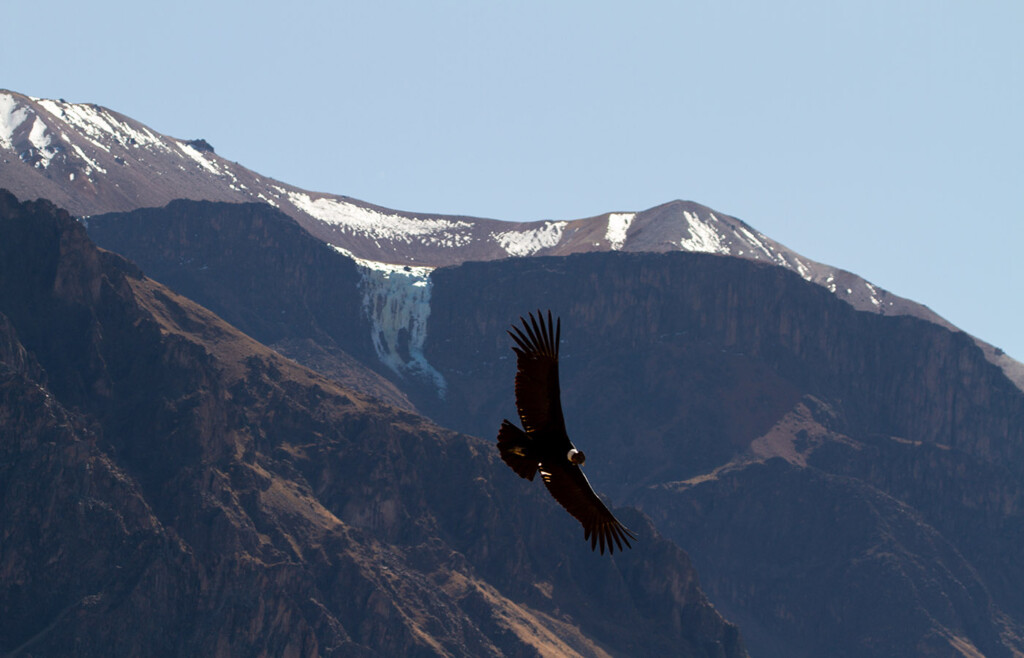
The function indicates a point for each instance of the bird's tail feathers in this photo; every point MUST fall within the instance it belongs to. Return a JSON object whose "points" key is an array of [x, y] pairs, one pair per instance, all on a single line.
{"points": [[517, 450]]}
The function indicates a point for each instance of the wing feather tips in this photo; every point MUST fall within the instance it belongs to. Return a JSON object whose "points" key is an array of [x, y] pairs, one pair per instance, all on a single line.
{"points": [[620, 537], [610, 534], [534, 340], [535, 337], [547, 334], [525, 343], [558, 332], [539, 331], [607, 534], [519, 342]]}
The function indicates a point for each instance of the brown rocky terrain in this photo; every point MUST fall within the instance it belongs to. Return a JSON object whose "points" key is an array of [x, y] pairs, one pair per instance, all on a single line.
{"points": [[169, 486]]}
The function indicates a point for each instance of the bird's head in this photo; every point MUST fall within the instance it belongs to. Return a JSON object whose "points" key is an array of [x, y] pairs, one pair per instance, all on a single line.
{"points": [[577, 457]]}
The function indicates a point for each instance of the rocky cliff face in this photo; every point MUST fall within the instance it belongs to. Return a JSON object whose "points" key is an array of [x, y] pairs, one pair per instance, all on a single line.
{"points": [[755, 317], [169, 486], [847, 484], [265, 275]]}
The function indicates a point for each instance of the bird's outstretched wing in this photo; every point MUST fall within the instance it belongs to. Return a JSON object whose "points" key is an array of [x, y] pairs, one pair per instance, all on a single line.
{"points": [[537, 396], [572, 490]]}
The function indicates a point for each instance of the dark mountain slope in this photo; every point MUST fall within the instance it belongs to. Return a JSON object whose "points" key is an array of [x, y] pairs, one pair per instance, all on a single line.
{"points": [[893, 447], [257, 269], [752, 323], [81, 547], [839, 568], [171, 487]]}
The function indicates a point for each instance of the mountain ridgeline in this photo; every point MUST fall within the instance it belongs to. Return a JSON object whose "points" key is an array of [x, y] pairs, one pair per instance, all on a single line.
{"points": [[92, 160]]}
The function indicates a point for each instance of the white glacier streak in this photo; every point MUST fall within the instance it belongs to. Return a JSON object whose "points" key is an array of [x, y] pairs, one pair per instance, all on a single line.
{"points": [[40, 139], [754, 241], [530, 241], [396, 300], [89, 162], [381, 225], [100, 126], [873, 294], [703, 236], [779, 258], [198, 157], [618, 225], [12, 115], [803, 270]]}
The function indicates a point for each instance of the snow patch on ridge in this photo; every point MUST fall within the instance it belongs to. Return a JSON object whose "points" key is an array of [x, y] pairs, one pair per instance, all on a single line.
{"points": [[380, 225], [873, 294], [618, 225], [12, 115], [703, 236], [101, 127], [753, 240], [396, 301], [198, 157], [803, 270], [90, 164], [530, 241], [40, 139], [775, 256]]}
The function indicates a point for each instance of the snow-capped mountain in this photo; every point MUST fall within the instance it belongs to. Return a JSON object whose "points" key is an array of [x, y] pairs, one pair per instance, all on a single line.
{"points": [[93, 160]]}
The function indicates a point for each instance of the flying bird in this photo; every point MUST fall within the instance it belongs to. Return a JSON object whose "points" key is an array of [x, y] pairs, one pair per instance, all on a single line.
{"points": [[544, 445]]}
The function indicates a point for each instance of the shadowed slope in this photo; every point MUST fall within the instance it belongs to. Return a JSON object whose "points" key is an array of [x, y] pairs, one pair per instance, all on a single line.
{"points": [[172, 487]]}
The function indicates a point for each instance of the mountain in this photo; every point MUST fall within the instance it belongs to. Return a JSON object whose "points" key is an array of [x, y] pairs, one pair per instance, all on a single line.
{"points": [[821, 464], [847, 484], [842, 466], [169, 486], [92, 160]]}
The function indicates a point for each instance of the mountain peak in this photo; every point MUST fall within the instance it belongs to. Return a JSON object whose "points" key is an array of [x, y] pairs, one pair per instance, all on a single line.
{"points": [[92, 160]]}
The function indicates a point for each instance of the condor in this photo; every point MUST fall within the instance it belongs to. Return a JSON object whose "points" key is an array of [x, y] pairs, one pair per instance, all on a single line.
{"points": [[544, 445]]}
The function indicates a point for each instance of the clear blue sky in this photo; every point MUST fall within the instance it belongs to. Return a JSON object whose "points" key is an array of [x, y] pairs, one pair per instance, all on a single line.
{"points": [[886, 138]]}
